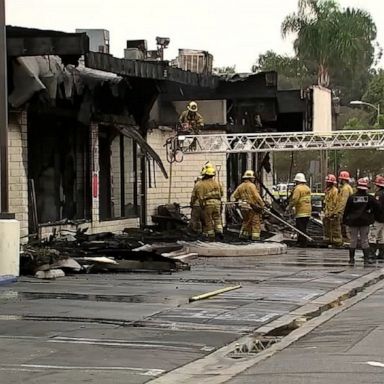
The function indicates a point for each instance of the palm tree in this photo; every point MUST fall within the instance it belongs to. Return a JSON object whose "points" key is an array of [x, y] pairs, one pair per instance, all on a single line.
{"points": [[330, 39]]}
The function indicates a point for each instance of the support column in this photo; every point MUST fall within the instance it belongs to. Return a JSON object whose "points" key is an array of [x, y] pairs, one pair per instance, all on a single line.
{"points": [[4, 200], [9, 227], [94, 138]]}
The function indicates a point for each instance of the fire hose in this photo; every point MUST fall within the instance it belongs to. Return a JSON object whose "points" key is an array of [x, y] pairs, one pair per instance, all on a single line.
{"points": [[268, 211]]}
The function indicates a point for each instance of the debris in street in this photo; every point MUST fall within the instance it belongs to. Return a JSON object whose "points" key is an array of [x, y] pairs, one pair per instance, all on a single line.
{"points": [[50, 274], [213, 293]]}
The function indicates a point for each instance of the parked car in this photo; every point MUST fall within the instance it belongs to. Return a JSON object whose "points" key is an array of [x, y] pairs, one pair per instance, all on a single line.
{"points": [[317, 200]]}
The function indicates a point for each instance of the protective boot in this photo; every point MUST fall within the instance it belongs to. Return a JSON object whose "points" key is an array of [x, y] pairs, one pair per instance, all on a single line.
{"points": [[380, 256], [219, 236], [352, 256], [373, 247], [367, 256]]}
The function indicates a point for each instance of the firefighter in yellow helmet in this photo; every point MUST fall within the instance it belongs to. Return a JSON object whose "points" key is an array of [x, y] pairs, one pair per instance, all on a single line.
{"points": [[331, 221], [195, 223], [251, 211], [300, 201], [209, 193], [190, 120]]}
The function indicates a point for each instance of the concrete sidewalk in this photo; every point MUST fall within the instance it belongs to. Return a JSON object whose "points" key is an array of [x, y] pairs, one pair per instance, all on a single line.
{"points": [[347, 349]]}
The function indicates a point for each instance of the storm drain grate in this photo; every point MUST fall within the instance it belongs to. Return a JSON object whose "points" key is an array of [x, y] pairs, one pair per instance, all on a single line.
{"points": [[254, 346]]}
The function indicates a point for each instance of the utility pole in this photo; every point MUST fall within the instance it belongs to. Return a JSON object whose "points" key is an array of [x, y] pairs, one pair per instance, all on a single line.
{"points": [[4, 200]]}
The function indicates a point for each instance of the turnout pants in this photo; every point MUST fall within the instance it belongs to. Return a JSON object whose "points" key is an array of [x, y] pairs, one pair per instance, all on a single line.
{"points": [[212, 223], [345, 233], [251, 225], [301, 225], [378, 232], [196, 223], [332, 230], [359, 232]]}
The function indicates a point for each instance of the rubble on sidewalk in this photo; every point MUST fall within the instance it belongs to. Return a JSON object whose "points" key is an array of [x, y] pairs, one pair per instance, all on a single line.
{"points": [[104, 252], [165, 248]]}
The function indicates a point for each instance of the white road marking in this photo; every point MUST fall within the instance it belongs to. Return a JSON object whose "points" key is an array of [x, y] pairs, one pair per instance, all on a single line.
{"points": [[29, 367], [10, 317], [375, 364], [117, 344]]}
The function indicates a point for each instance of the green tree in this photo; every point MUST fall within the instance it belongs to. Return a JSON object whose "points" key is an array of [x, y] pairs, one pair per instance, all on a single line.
{"points": [[362, 162], [330, 40], [292, 73], [229, 70]]}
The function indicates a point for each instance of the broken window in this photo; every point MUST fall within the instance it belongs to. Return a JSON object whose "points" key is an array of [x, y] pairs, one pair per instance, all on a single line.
{"points": [[118, 177], [58, 168]]}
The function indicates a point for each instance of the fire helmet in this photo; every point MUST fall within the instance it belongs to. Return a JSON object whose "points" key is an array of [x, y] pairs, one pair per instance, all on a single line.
{"points": [[249, 174], [300, 178], [210, 171], [363, 183], [344, 175], [379, 181], [192, 106], [331, 179]]}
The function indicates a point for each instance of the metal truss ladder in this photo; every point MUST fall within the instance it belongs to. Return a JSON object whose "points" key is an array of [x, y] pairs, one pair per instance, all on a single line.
{"points": [[279, 142]]}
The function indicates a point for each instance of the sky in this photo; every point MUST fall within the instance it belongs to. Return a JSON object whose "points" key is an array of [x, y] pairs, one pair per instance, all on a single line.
{"points": [[235, 32]]}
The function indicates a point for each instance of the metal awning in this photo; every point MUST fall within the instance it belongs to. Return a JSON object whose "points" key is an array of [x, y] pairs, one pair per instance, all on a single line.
{"points": [[37, 42], [156, 70], [149, 152]]}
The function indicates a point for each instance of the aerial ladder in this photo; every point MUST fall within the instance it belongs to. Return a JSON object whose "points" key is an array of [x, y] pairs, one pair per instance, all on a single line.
{"points": [[181, 145]]}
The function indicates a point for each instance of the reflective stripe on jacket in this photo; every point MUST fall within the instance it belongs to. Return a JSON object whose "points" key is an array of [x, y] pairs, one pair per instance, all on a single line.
{"points": [[194, 198], [301, 200], [247, 191], [209, 191], [345, 192], [331, 200]]}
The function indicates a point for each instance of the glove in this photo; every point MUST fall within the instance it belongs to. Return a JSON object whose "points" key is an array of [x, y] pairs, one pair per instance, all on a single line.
{"points": [[256, 208]]}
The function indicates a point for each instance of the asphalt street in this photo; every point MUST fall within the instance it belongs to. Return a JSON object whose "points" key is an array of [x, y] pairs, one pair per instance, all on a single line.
{"points": [[133, 328]]}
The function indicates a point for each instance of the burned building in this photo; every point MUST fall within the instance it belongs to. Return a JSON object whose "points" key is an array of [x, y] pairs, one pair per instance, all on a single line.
{"points": [[89, 133], [78, 153]]}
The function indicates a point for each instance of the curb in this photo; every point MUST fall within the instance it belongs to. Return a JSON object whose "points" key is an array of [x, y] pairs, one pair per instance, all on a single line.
{"points": [[218, 367], [7, 279]]}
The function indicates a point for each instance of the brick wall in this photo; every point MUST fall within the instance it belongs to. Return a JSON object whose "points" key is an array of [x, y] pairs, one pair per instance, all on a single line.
{"points": [[18, 170], [183, 174]]}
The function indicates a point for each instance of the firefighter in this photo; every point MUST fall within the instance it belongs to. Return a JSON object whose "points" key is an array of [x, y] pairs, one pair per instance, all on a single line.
{"points": [[251, 211], [331, 221], [190, 120], [379, 219], [300, 202], [345, 191], [209, 193], [359, 214], [196, 218]]}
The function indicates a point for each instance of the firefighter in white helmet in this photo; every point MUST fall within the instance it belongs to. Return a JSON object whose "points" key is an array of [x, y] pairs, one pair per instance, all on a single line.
{"points": [[300, 202], [247, 193], [190, 120]]}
